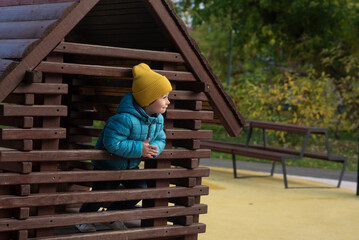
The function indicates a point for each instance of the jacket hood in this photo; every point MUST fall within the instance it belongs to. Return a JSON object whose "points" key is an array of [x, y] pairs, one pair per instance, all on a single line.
{"points": [[129, 105]]}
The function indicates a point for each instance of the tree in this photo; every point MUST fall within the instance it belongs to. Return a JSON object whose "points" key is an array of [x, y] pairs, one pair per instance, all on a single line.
{"points": [[311, 42]]}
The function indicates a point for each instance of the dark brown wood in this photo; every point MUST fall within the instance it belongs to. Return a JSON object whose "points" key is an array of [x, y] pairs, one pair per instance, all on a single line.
{"points": [[184, 182], [21, 235], [84, 176], [42, 49], [52, 199], [188, 114], [191, 105], [22, 190], [188, 134], [187, 95], [186, 163], [195, 86], [33, 77], [78, 155], [25, 122], [104, 51], [189, 124], [25, 145], [22, 213], [188, 143], [35, 222], [19, 3], [97, 70], [184, 201], [182, 220], [33, 133], [16, 167], [34, 110], [42, 88]]}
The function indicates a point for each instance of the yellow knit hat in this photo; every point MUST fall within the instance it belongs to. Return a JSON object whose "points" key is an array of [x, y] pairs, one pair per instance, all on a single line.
{"points": [[148, 85]]}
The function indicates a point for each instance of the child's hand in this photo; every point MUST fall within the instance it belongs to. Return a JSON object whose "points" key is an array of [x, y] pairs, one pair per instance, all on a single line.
{"points": [[148, 150]]}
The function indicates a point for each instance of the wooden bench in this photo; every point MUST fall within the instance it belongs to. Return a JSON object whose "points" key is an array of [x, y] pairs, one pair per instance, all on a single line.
{"points": [[276, 154]]}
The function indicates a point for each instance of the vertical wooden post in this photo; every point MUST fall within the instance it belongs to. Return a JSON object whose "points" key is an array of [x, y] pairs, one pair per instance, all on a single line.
{"points": [[50, 144]]}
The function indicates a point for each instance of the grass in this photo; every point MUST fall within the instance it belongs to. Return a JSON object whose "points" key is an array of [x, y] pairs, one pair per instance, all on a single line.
{"points": [[347, 146]]}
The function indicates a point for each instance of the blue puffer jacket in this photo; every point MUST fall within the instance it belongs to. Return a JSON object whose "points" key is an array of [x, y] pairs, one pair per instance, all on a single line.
{"points": [[124, 133]]}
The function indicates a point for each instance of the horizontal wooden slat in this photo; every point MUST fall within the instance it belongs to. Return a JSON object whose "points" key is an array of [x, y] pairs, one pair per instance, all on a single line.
{"points": [[79, 155], [90, 115], [33, 110], [42, 88], [142, 233], [97, 70], [23, 29], [31, 12], [188, 114], [51, 199], [97, 175], [108, 216], [188, 134], [14, 48], [187, 95], [105, 51], [33, 133]]}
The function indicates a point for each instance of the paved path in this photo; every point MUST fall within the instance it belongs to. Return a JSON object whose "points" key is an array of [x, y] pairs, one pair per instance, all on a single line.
{"points": [[321, 175]]}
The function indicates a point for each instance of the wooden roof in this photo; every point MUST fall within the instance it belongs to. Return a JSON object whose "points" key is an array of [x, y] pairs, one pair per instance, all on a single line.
{"points": [[39, 26]]}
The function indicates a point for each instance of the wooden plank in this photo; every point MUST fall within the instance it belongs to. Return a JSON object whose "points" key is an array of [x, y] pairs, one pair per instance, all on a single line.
{"points": [[69, 19], [127, 53], [35, 222], [16, 167], [24, 29], [176, 30], [34, 110], [184, 182], [15, 48], [52, 199], [79, 155], [32, 133], [161, 232], [31, 12], [42, 88], [22, 190], [187, 95], [97, 70], [188, 134], [188, 114], [97, 175]]}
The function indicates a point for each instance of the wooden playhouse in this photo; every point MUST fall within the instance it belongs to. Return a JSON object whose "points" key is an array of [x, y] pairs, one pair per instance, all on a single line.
{"points": [[64, 67]]}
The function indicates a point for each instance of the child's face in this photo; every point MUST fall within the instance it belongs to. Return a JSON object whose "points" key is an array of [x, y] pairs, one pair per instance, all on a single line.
{"points": [[158, 106]]}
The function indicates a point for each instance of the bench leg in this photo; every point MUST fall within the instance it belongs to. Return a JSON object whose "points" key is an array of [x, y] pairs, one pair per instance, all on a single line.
{"points": [[342, 173], [284, 174], [234, 165], [272, 170]]}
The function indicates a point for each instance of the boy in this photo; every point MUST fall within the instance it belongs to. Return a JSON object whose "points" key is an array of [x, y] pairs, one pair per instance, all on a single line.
{"points": [[135, 131]]}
